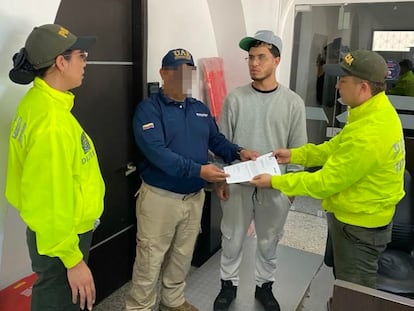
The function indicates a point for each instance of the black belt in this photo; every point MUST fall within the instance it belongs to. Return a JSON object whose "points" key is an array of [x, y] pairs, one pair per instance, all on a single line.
{"points": [[171, 194]]}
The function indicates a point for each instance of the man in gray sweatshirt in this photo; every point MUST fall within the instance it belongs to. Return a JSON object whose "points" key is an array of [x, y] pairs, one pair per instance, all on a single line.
{"points": [[263, 115]]}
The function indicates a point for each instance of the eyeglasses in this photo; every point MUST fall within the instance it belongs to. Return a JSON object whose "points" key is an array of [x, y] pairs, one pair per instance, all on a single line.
{"points": [[83, 55], [261, 58]]}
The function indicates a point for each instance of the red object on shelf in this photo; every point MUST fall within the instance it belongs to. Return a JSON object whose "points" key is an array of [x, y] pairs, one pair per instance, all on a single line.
{"points": [[17, 296], [215, 84]]}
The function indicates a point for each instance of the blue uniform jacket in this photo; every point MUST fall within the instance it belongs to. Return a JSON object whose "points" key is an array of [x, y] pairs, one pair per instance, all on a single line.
{"points": [[174, 138]]}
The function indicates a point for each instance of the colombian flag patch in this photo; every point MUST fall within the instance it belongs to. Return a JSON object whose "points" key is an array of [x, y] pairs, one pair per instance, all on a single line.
{"points": [[148, 126]]}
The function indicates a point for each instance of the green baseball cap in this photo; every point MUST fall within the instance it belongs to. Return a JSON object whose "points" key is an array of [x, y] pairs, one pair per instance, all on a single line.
{"points": [[48, 41], [266, 36], [364, 64]]}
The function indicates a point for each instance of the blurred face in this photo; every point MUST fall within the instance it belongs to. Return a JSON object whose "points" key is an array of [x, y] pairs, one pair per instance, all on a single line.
{"points": [[74, 67], [262, 64], [180, 78], [350, 90]]}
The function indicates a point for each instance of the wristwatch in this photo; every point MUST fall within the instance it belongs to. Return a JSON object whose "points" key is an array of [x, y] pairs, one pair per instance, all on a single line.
{"points": [[239, 150]]}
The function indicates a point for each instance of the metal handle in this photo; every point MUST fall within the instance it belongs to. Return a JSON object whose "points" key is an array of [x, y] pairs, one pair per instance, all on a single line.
{"points": [[130, 168]]}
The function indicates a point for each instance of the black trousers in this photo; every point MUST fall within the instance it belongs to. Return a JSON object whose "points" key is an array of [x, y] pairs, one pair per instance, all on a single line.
{"points": [[353, 251], [51, 291]]}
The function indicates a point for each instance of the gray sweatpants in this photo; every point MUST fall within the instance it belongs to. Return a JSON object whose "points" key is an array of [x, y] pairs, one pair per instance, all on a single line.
{"points": [[268, 208]]}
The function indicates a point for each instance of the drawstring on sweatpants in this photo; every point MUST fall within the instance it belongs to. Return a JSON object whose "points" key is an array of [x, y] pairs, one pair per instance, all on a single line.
{"points": [[255, 197]]}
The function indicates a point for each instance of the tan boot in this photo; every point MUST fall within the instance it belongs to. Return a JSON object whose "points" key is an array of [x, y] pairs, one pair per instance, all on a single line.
{"points": [[184, 307]]}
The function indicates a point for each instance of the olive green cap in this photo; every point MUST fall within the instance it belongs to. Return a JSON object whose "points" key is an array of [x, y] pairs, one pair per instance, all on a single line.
{"points": [[48, 41], [364, 64]]}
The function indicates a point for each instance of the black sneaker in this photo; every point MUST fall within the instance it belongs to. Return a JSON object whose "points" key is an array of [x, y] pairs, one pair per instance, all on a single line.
{"points": [[265, 296], [329, 304], [226, 296]]}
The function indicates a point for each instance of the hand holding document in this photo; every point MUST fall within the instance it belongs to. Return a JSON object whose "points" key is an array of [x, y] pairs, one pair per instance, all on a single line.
{"points": [[245, 171]]}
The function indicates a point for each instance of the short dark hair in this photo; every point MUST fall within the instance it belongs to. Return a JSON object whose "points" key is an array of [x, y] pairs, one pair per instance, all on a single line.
{"points": [[376, 87], [406, 63], [274, 50]]}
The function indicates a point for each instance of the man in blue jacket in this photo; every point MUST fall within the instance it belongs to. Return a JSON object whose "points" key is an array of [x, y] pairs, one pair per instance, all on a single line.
{"points": [[174, 132]]}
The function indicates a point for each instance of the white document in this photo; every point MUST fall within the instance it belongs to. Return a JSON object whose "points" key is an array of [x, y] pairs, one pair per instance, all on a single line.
{"points": [[245, 171]]}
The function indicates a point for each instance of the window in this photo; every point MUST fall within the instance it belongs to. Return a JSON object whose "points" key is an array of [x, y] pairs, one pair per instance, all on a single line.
{"points": [[392, 41]]}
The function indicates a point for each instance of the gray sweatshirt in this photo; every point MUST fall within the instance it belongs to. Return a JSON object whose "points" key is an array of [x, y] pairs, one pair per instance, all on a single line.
{"points": [[264, 121]]}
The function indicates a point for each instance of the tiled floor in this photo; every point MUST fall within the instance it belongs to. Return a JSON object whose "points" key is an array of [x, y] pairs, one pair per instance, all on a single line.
{"points": [[305, 232], [306, 284], [296, 269]]}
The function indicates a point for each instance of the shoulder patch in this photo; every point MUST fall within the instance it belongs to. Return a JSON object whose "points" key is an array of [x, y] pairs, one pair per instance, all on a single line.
{"points": [[85, 143]]}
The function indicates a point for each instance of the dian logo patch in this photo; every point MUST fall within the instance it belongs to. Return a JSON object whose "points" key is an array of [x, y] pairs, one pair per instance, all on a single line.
{"points": [[85, 143]]}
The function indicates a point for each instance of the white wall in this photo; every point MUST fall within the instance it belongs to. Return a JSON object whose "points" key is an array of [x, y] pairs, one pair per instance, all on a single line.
{"points": [[228, 35], [178, 24], [262, 15]]}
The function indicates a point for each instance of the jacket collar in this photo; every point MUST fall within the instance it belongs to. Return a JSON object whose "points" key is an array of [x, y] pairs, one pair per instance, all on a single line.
{"points": [[66, 99], [375, 103]]}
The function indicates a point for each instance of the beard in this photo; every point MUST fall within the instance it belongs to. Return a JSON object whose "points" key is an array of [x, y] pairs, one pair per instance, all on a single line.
{"points": [[261, 76]]}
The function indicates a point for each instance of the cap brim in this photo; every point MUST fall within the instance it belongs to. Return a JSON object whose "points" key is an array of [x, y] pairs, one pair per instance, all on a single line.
{"points": [[178, 63], [83, 43], [246, 43], [335, 70]]}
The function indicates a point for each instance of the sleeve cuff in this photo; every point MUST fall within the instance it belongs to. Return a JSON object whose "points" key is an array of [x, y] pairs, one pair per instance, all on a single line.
{"points": [[71, 260], [276, 181], [294, 155], [195, 170]]}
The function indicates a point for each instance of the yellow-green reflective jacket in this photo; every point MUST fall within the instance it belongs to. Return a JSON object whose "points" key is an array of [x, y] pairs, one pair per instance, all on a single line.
{"points": [[53, 175], [361, 179]]}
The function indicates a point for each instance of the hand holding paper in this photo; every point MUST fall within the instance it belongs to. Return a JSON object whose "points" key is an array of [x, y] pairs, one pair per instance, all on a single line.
{"points": [[262, 181], [245, 171]]}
